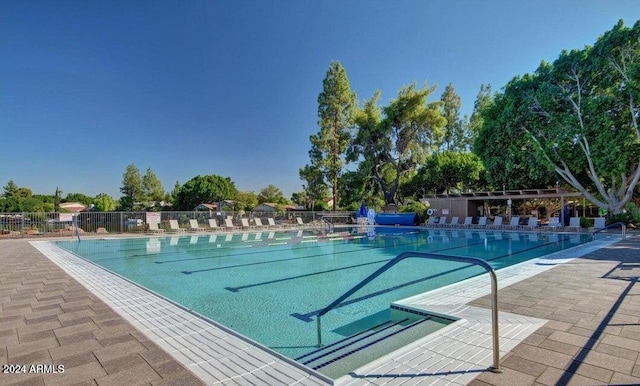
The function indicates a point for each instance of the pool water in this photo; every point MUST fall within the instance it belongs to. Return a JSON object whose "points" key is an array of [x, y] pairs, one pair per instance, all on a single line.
{"points": [[269, 286]]}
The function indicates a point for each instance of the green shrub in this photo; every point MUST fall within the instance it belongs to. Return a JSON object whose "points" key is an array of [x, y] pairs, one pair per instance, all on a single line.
{"points": [[586, 222], [418, 207]]}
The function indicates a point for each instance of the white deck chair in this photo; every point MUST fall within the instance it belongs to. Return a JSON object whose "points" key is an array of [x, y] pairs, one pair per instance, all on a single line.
{"points": [[272, 223], [258, 223], [598, 223], [193, 226], [468, 221], [245, 223], [300, 223], [482, 222], [497, 222], [432, 220], [442, 222], [175, 227], [229, 224], [515, 222], [532, 223], [153, 227], [554, 222], [213, 224], [574, 222], [454, 221]]}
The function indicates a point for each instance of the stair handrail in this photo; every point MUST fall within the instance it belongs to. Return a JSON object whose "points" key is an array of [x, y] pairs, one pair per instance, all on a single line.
{"points": [[463, 259], [327, 223], [622, 225]]}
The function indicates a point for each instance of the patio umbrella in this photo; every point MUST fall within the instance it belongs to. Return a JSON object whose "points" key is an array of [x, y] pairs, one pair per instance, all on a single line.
{"points": [[363, 210]]}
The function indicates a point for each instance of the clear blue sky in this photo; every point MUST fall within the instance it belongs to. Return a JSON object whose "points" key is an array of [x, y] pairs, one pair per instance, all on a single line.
{"points": [[231, 87]]}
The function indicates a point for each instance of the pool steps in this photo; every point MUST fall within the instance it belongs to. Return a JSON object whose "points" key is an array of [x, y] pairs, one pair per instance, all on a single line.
{"points": [[341, 357]]}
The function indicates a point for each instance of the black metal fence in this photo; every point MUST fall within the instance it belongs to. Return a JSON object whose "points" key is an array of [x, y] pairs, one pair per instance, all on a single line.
{"points": [[17, 225]]}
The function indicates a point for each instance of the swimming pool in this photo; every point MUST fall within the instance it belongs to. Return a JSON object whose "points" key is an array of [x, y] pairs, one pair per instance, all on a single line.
{"points": [[270, 285]]}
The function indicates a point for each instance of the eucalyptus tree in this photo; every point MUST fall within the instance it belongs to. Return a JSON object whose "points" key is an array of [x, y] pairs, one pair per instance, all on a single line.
{"points": [[336, 105], [580, 116], [396, 141]]}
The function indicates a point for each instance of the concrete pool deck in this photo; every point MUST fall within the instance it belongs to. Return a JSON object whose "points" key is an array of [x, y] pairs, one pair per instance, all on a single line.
{"points": [[591, 333]]}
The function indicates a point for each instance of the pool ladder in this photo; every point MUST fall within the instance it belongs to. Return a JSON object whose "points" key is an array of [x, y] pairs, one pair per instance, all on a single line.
{"points": [[463, 259], [328, 225]]}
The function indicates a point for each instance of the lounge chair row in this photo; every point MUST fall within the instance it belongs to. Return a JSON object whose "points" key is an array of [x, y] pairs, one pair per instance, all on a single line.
{"points": [[532, 223], [194, 226]]}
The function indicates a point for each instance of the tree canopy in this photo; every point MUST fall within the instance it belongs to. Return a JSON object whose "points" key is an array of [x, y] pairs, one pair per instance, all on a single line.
{"points": [[131, 187], [202, 189], [577, 116], [272, 194], [394, 143], [336, 106]]}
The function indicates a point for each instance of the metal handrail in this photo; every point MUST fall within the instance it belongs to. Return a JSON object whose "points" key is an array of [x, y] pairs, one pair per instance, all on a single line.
{"points": [[622, 225], [463, 259], [328, 224]]}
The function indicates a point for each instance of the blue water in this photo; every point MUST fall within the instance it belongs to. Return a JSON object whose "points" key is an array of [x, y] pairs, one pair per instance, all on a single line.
{"points": [[270, 285]]}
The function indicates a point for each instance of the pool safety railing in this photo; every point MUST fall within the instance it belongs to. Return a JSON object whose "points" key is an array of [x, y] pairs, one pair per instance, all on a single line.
{"points": [[622, 226], [462, 259], [75, 225], [326, 224]]}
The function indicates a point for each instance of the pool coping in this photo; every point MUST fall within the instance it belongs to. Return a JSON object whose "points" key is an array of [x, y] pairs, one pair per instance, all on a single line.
{"points": [[218, 355]]}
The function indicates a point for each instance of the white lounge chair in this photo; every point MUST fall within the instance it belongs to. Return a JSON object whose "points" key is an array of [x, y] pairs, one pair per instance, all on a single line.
{"points": [[245, 223], [554, 222], [153, 227], [454, 221], [272, 223], [515, 222], [229, 224], [482, 222], [598, 223], [468, 222], [258, 223], [497, 222], [193, 226], [213, 224], [574, 222], [301, 223], [174, 226], [432, 220], [532, 223], [442, 222]]}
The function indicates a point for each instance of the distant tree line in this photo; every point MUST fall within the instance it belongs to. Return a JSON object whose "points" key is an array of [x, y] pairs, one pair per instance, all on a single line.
{"points": [[145, 193]]}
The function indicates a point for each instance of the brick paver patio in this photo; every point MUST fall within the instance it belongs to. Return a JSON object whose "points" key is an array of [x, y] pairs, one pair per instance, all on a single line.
{"points": [[593, 333], [592, 337], [46, 317]]}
